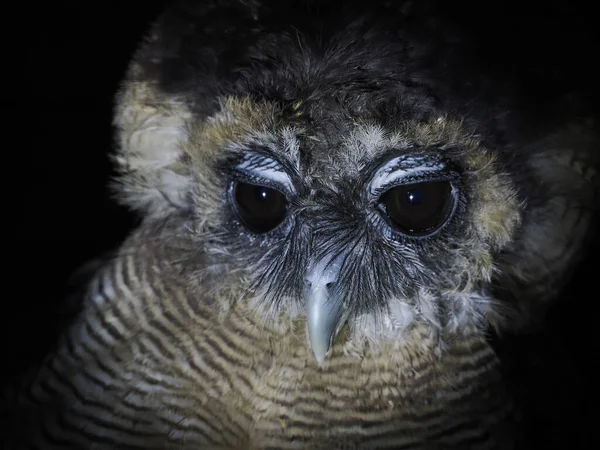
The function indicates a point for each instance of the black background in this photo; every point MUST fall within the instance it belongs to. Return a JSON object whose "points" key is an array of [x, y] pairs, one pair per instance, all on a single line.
{"points": [[74, 55]]}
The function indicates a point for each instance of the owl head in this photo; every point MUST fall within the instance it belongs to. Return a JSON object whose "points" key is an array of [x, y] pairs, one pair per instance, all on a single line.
{"points": [[344, 175]]}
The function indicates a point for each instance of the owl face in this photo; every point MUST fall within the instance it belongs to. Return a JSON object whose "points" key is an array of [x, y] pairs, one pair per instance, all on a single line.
{"points": [[353, 175], [375, 231]]}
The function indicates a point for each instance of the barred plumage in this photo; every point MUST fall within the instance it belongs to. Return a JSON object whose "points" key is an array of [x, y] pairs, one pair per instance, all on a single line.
{"points": [[333, 220], [151, 365]]}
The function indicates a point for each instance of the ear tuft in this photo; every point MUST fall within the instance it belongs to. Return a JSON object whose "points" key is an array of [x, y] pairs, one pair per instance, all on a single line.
{"points": [[152, 130]]}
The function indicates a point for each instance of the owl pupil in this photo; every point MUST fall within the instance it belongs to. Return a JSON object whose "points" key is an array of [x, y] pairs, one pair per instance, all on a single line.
{"points": [[417, 209], [414, 196], [260, 208], [262, 193]]}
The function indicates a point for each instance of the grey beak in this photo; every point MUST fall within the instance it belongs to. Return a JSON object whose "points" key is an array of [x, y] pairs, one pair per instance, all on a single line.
{"points": [[324, 309]]}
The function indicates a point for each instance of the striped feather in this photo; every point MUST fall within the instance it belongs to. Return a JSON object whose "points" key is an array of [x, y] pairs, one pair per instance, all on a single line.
{"points": [[149, 364]]}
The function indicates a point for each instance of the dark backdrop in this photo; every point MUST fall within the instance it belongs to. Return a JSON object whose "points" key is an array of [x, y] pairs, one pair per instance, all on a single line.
{"points": [[74, 56]]}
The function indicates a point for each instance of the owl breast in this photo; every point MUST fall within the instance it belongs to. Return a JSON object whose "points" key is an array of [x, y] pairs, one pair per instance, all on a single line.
{"points": [[151, 364]]}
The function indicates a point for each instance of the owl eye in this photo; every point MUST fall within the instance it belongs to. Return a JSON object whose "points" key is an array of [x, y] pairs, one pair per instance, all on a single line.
{"points": [[418, 209], [260, 208]]}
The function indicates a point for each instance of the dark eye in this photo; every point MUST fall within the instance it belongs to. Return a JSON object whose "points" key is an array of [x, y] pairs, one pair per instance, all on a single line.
{"points": [[418, 209], [260, 208]]}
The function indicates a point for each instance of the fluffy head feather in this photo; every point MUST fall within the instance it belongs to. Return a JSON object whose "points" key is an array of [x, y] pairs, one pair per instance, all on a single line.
{"points": [[329, 108]]}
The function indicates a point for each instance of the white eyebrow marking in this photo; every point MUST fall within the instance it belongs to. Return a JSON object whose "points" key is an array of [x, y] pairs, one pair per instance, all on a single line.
{"points": [[403, 167], [266, 168]]}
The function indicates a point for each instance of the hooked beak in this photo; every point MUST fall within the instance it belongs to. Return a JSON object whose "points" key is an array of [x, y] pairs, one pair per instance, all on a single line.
{"points": [[324, 309]]}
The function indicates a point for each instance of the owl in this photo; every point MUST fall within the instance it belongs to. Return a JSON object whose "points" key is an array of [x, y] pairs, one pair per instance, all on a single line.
{"points": [[338, 204]]}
